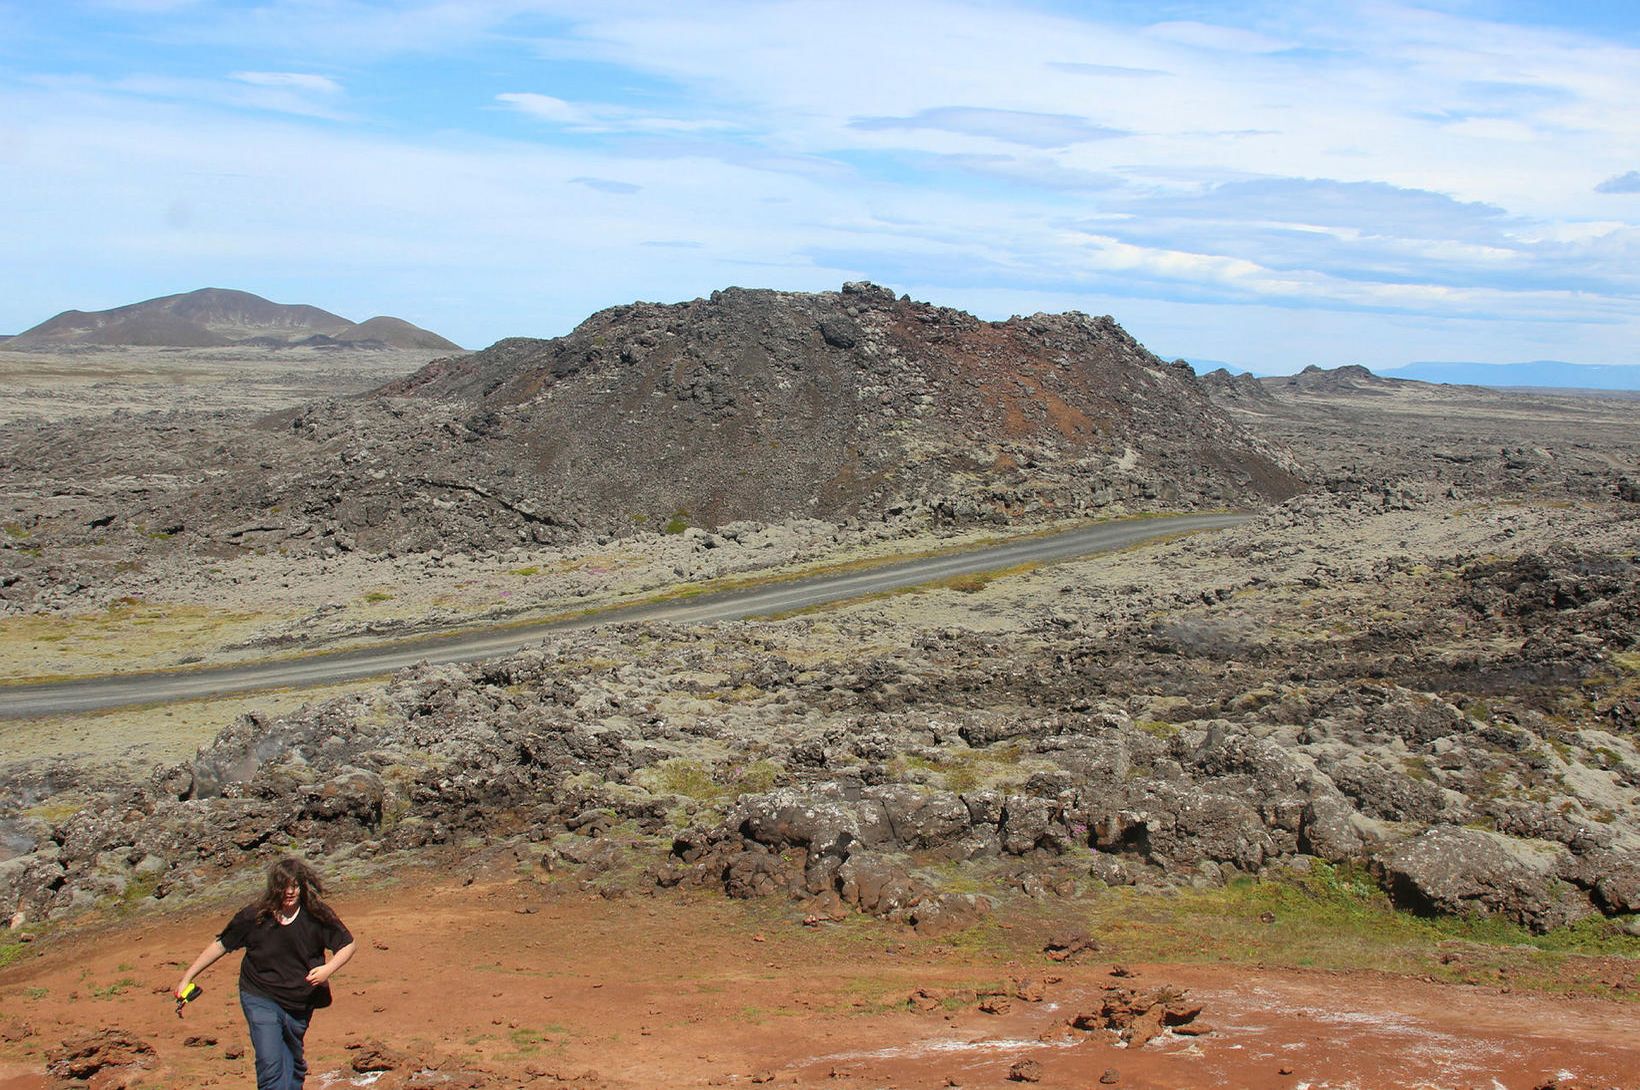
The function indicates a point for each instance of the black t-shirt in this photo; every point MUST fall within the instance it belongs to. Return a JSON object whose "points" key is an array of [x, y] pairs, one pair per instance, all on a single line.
{"points": [[278, 956]]}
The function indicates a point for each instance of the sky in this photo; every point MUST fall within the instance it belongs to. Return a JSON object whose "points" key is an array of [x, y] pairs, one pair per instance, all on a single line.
{"points": [[1270, 184]]}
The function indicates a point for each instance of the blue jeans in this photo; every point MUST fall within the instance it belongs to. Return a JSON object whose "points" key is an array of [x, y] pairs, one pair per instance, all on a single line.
{"points": [[276, 1036]]}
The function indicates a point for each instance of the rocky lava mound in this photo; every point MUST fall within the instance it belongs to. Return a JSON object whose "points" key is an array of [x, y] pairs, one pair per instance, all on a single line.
{"points": [[763, 404]]}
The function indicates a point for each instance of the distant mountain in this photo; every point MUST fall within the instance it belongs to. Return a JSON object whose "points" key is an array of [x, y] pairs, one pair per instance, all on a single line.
{"points": [[1202, 365], [1350, 378], [1553, 373], [213, 317]]}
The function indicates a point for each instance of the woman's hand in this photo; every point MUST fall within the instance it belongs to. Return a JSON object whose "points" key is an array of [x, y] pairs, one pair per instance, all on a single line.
{"points": [[207, 957], [321, 973]]}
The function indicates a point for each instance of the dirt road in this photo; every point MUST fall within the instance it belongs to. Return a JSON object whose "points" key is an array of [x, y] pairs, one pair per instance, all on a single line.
{"points": [[90, 694]]}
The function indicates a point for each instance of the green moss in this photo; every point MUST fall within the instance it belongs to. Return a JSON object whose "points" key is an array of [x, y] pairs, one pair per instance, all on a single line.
{"points": [[529, 1042], [1156, 728], [1608, 758], [114, 990], [1417, 768], [695, 780], [678, 523], [375, 596], [680, 776], [1339, 918], [959, 770], [755, 778]]}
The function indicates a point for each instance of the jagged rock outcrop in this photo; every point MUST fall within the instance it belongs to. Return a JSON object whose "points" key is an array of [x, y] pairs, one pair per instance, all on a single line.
{"points": [[1243, 390], [850, 402]]}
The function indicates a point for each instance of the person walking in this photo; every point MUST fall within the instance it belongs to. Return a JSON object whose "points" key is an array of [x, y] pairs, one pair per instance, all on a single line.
{"points": [[283, 977]]}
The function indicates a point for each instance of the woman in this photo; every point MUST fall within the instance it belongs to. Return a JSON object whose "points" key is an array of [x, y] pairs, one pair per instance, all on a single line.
{"points": [[282, 977]]}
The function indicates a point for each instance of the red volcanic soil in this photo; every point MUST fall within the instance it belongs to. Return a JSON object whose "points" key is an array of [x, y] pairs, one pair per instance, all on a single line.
{"points": [[500, 981]]}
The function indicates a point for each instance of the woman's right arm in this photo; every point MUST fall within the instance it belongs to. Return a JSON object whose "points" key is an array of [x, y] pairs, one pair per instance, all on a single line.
{"points": [[206, 958]]}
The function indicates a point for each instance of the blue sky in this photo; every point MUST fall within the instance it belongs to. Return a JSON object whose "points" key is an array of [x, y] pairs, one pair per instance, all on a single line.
{"points": [[1271, 184]]}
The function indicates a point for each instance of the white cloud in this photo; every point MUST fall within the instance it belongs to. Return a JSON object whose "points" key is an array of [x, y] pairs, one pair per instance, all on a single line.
{"points": [[607, 185], [545, 108], [599, 118], [1029, 128], [1219, 38], [296, 81]]}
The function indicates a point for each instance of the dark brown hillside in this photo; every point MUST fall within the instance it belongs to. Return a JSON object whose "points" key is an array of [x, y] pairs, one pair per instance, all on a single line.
{"points": [[763, 404]]}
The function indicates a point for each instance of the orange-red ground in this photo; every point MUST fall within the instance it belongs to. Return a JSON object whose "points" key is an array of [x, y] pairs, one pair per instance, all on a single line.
{"points": [[504, 982]]}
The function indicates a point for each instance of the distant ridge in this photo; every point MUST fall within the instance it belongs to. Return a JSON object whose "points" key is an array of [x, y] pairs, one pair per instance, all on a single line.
{"points": [[1538, 373], [215, 317]]}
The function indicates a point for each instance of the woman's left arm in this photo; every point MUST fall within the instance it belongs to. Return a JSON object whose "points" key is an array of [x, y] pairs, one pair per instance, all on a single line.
{"points": [[321, 973]]}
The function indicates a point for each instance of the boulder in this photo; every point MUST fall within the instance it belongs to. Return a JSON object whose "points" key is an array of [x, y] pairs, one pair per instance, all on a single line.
{"points": [[1454, 870], [86, 1056], [877, 884]]}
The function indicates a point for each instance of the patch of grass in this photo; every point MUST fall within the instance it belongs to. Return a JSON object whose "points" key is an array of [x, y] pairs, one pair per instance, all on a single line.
{"points": [[1417, 768], [754, 778], [1339, 918], [11, 952], [1607, 758], [529, 1042], [681, 776], [118, 988], [54, 812], [527, 571], [36, 993], [375, 596], [695, 780], [1157, 728], [967, 769], [137, 891], [15, 532], [129, 631]]}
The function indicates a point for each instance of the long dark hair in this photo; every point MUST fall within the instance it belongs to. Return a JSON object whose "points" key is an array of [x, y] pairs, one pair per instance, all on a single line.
{"points": [[292, 871]]}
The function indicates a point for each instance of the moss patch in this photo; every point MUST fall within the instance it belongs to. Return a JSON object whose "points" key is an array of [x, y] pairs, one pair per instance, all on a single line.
{"points": [[129, 634]]}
